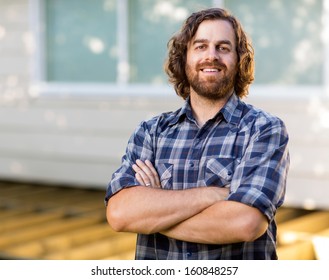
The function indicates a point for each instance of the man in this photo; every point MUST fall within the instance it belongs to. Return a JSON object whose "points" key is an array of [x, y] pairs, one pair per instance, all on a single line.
{"points": [[204, 182]]}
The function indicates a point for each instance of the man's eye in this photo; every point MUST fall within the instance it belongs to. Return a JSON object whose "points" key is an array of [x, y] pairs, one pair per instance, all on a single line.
{"points": [[223, 49]]}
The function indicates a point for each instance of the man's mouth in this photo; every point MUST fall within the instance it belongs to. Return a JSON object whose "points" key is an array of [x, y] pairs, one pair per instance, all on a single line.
{"points": [[210, 70]]}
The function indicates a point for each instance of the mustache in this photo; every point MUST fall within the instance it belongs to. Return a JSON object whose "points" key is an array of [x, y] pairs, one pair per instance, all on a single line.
{"points": [[215, 64]]}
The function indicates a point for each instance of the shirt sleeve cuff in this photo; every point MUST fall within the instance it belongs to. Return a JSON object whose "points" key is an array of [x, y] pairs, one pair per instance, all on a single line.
{"points": [[254, 198]]}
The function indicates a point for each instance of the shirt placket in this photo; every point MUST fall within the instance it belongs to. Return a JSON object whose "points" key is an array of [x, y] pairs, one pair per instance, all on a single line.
{"points": [[192, 173]]}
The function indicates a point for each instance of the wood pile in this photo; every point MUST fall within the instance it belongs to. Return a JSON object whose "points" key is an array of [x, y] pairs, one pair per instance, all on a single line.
{"points": [[44, 222], [62, 223]]}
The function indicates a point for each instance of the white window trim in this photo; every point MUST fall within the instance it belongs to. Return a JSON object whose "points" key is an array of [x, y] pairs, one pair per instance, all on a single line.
{"points": [[41, 88], [37, 59], [123, 43], [325, 38]]}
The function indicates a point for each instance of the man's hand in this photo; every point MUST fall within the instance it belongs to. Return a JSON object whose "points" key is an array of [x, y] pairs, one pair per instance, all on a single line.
{"points": [[146, 174]]}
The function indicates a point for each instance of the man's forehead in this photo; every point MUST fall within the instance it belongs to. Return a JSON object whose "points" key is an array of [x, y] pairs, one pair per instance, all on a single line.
{"points": [[214, 29]]}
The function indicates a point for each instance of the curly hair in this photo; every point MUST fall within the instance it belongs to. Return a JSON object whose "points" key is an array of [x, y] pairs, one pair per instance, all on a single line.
{"points": [[177, 49]]}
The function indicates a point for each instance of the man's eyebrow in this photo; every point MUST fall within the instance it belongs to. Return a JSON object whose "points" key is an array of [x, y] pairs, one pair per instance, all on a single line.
{"points": [[197, 41], [220, 42]]}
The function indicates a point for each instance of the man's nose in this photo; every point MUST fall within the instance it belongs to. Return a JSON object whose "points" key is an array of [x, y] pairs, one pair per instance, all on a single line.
{"points": [[212, 53]]}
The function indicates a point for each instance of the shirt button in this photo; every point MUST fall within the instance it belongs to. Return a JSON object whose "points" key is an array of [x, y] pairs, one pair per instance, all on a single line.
{"points": [[191, 164], [188, 254]]}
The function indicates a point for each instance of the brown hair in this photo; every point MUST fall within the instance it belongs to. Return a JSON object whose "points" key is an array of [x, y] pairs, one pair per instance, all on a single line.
{"points": [[177, 48]]}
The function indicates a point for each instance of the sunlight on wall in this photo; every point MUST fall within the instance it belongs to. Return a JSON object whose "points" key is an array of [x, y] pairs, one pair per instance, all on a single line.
{"points": [[2, 32], [16, 167], [318, 110]]}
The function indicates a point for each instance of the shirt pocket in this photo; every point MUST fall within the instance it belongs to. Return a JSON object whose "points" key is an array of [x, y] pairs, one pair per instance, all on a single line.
{"points": [[218, 171], [165, 171]]}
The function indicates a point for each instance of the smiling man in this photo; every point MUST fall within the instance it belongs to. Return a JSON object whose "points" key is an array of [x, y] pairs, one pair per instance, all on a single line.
{"points": [[204, 182]]}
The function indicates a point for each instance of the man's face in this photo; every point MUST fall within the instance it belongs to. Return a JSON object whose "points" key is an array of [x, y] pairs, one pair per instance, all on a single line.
{"points": [[211, 60]]}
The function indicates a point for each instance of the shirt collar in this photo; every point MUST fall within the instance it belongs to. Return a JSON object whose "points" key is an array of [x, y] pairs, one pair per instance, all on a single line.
{"points": [[231, 111], [185, 111]]}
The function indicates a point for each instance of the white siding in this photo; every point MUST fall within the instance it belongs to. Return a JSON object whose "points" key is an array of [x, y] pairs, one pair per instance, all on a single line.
{"points": [[71, 141]]}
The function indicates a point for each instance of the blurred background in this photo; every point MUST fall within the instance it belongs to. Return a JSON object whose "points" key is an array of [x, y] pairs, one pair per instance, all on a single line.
{"points": [[77, 76]]}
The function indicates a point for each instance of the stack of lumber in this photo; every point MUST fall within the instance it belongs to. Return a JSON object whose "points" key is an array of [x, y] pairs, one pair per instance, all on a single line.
{"points": [[45, 222], [303, 235]]}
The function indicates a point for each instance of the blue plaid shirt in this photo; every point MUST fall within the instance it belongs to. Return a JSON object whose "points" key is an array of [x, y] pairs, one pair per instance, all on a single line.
{"points": [[242, 148]]}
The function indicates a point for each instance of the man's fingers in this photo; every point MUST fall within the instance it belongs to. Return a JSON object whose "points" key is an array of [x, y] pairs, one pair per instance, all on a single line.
{"points": [[140, 180], [144, 173], [147, 173], [154, 172], [141, 177]]}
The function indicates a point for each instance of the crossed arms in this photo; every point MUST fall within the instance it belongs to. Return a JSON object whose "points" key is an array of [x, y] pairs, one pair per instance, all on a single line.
{"points": [[199, 215]]}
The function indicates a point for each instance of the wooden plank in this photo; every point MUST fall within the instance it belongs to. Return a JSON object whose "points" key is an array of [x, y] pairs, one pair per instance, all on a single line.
{"points": [[302, 228], [73, 200], [37, 249], [302, 250], [129, 255], [47, 229], [124, 242], [7, 189], [320, 242], [64, 197], [28, 220], [18, 190], [6, 213], [285, 214]]}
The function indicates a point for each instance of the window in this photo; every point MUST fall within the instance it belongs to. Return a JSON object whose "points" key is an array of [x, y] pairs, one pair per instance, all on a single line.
{"points": [[81, 40], [286, 36], [104, 40]]}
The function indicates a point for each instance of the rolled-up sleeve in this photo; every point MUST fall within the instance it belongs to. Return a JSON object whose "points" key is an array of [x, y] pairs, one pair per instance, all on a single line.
{"points": [[260, 178]]}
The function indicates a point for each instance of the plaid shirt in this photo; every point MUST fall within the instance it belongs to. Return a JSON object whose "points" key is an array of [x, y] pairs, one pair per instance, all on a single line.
{"points": [[242, 148]]}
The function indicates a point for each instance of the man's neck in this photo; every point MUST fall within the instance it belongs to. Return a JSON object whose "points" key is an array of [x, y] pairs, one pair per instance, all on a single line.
{"points": [[205, 109]]}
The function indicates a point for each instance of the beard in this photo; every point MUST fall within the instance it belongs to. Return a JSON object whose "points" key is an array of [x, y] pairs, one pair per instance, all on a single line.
{"points": [[212, 88]]}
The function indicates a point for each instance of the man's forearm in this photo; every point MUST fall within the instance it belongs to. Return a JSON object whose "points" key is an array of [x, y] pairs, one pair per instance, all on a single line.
{"points": [[148, 210], [221, 223]]}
